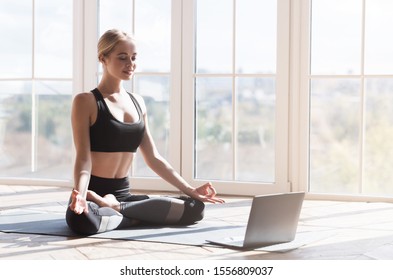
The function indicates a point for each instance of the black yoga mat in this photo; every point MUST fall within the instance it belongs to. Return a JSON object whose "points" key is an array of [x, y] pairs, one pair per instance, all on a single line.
{"points": [[53, 223], [220, 221]]}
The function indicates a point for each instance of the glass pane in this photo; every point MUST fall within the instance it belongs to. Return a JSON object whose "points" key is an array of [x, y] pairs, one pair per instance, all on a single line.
{"points": [[256, 129], [15, 129], [256, 36], [378, 151], [379, 42], [334, 135], [214, 36], [153, 34], [156, 94], [16, 42], [53, 39], [213, 147], [116, 14], [54, 139], [336, 36]]}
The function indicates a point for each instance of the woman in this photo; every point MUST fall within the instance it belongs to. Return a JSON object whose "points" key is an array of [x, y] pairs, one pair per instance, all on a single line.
{"points": [[109, 125]]}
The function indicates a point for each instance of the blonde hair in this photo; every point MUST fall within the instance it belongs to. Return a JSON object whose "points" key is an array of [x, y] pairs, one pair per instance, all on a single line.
{"points": [[109, 40]]}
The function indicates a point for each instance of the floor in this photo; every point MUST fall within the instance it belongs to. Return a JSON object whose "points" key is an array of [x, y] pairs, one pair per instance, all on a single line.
{"points": [[342, 230]]}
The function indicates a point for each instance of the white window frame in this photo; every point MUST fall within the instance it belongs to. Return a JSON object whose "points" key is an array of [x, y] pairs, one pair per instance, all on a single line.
{"points": [[282, 183], [299, 95], [300, 105], [292, 163], [33, 78]]}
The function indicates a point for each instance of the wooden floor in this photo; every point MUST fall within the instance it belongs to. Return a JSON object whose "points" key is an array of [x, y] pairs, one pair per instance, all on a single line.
{"points": [[342, 230]]}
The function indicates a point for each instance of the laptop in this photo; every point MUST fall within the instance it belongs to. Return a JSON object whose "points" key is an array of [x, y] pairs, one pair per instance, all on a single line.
{"points": [[273, 219]]}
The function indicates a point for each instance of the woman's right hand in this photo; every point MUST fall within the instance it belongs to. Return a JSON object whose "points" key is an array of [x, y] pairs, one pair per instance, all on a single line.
{"points": [[78, 203]]}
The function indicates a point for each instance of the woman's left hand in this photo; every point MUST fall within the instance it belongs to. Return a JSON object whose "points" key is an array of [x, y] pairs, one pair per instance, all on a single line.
{"points": [[206, 193]]}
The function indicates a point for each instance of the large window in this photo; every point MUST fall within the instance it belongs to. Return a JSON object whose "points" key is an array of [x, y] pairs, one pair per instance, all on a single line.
{"points": [[235, 90], [214, 102], [222, 103], [36, 89], [351, 91]]}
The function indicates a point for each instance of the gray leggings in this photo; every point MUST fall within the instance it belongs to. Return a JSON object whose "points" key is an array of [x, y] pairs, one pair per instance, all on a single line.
{"points": [[160, 210]]}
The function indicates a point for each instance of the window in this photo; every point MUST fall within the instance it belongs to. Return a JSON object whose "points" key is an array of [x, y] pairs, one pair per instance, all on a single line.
{"points": [[235, 95], [36, 89], [235, 90], [219, 81], [351, 97]]}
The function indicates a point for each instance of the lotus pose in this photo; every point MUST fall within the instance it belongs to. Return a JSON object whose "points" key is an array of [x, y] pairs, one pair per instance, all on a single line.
{"points": [[109, 125]]}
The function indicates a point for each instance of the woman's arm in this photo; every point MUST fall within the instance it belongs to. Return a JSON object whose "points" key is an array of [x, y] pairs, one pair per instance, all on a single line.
{"points": [[80, 120]]}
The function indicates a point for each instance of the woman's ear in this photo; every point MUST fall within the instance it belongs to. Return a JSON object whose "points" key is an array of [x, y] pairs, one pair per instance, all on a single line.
{"points": [[101, 58]]}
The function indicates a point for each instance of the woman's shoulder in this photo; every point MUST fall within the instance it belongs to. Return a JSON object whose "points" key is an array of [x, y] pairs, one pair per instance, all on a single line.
{"points": [[84, 100], [84, 97]]}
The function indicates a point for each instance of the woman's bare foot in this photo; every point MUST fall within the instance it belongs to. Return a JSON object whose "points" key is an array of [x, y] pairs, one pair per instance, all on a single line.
{"points": [[93, 196], [112, 202], [108, 200]]}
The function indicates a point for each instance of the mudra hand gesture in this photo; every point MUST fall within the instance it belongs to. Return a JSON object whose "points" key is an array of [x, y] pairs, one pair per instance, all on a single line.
{"points": [[206, 193]]}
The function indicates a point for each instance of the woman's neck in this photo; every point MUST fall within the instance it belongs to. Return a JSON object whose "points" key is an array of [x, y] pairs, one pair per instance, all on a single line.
{"points": [[109, 86]]}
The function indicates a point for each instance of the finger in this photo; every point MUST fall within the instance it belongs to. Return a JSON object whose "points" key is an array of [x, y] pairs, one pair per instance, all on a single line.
{"points": [[205, 188], [219, 200], [207, 185], [214, 200], [211, 195], [80, 209], [213, 191], [208, 189], [203, 191]]}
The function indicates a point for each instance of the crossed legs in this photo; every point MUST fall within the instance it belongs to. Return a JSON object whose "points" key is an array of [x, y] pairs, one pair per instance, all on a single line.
{"points": [[156, 210]]}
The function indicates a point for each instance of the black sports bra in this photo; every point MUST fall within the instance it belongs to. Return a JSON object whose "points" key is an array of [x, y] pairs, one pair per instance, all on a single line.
{"points": [[108, 134]]}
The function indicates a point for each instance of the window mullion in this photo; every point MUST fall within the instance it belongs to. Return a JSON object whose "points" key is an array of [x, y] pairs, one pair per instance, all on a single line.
{"points": [[175, 104], [362, 101], [33, 95], [90, 42], [234, 97]]}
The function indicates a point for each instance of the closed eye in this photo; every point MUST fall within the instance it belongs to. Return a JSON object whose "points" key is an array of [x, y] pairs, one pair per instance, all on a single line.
{"points": [[126, 57]]}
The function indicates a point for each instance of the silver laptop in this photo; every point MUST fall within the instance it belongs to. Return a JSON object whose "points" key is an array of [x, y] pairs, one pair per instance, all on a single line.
{"points": [[273, 219]]}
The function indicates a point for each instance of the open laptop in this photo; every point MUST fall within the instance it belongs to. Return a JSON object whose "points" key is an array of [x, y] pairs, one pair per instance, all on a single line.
{"points": [[273, 219]]}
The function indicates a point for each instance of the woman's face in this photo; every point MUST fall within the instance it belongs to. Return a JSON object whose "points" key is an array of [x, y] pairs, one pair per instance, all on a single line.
{"points": [[120, 63]]}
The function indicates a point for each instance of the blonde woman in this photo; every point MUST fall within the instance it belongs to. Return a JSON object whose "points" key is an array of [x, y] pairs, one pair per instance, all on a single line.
{"points": [[109, 125]]}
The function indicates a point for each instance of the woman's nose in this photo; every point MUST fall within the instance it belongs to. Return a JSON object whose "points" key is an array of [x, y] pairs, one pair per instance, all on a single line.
{"points": [[132, 63]]}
